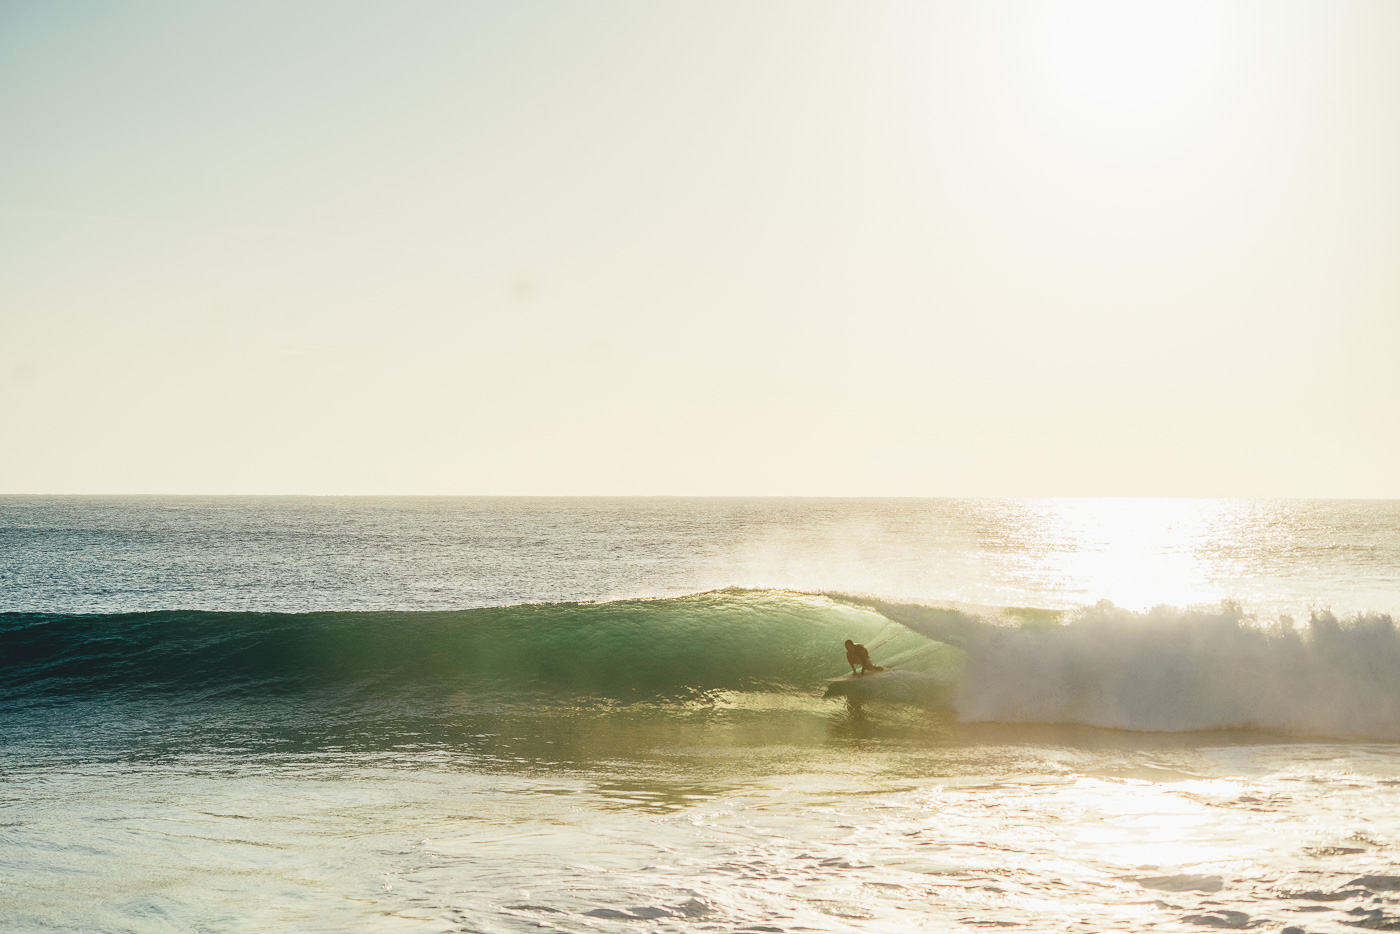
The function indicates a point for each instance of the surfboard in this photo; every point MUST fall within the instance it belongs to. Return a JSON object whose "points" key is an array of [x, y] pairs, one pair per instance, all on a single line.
{"points": [[853, 685], [865, 677]]}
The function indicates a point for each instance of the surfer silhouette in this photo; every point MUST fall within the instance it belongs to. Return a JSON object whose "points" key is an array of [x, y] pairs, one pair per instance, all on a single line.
{"points": [[857, 654]]}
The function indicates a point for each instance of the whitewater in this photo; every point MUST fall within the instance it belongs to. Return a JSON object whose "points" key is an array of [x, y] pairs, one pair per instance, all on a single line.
{"points": [[234, 714]]}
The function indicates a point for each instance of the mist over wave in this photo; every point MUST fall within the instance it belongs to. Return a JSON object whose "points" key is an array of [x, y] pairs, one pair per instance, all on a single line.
{"points": [[1172, 669]]}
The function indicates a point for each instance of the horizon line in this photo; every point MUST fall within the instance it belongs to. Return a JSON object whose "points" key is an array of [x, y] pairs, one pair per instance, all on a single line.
{"points": [[790, 496]]}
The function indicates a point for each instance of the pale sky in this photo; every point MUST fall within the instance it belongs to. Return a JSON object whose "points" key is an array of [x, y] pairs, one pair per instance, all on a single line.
{"points": [[901, 248]]}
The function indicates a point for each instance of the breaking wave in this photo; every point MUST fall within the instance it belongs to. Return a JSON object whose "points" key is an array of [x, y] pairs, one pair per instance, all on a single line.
{"points": [[1164, 670]]}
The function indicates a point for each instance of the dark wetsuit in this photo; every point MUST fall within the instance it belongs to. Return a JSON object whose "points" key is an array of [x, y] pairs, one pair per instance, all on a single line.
{"points": [[857, 654]]}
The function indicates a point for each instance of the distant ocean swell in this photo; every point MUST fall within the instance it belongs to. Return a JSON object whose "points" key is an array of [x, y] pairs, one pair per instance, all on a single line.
{"points": [[1164, 670]]}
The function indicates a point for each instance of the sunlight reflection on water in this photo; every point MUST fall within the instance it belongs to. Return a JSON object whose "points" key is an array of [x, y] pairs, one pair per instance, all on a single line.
{"points": [[1137, 553]]}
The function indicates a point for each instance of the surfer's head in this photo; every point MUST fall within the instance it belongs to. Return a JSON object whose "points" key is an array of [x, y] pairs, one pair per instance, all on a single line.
{"points": [[849, 643]]}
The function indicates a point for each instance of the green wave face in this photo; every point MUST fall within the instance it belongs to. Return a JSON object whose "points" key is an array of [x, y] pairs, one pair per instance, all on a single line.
{"points": [[724, 640], [1168, 670]]}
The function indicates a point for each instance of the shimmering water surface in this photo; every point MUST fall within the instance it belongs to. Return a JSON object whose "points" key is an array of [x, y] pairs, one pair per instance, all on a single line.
{"points": [[383, 714]]}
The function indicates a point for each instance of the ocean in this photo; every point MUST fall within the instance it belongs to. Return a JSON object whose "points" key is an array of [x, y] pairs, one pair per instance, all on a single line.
{"points": [[614, 715]]}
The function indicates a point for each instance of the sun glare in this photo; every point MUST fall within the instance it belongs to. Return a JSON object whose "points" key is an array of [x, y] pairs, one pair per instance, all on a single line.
{"points": [[1136, 552]]}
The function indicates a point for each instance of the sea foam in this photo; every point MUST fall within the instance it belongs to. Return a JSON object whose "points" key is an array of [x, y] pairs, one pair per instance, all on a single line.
{"points": [[1174, 669]]}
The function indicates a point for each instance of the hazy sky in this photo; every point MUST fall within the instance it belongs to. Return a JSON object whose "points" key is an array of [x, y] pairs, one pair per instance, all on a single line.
{"points": [[1010, 248]]}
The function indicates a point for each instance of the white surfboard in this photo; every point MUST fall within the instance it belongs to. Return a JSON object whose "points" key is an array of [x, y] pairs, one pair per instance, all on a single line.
{"points": [[864, 677]]}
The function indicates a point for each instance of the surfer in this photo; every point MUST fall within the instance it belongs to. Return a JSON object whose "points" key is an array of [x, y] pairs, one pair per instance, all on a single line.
{"points": [[857, 654]]}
